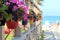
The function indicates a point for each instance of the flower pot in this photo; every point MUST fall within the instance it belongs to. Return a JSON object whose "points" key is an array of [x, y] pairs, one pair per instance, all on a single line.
{"points": [[30, 20], [12, 24]]}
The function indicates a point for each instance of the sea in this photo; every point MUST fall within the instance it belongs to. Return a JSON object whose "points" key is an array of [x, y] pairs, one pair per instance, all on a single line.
{"points": [[50, 19]]}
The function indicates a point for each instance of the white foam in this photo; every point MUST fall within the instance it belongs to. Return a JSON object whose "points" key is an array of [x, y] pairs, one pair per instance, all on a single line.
{"points": [[57, 21], [46, 25]]}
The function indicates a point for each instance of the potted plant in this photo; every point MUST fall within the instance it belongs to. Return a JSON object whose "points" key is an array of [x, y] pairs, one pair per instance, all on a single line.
{"points": [[39, 16], [17, 15], [13, 22], [30, 17]]}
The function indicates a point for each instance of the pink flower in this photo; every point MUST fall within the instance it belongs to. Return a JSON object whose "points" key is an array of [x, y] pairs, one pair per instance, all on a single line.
{"points": [[7, 3], [25, 16], [25, 8], [14, 1], [15, 8], [21, 3]]}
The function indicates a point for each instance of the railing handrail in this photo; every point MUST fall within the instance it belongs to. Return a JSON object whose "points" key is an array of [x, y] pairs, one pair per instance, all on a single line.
{"points": [[36, 6], [26, 34]]}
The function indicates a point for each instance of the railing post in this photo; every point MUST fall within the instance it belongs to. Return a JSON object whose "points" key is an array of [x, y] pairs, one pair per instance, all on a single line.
{"points": [[40, 26], [17, 32], [1, 33]]}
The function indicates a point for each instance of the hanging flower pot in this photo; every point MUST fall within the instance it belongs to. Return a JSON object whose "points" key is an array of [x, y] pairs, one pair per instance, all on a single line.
{"points": [[31, 20], [12, 24]]}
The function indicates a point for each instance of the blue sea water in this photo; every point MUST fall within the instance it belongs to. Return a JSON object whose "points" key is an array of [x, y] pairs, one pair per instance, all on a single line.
{"points": [[51, 19]]}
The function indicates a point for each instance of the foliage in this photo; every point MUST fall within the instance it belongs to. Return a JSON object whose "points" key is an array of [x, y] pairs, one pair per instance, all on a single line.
{"points": [[39, 16], [3, 7], [12, 9], [39, 2], [31, 14]]}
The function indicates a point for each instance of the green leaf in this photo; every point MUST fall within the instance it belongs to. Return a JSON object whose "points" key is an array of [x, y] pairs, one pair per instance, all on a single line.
{"points": [[7, 16]]}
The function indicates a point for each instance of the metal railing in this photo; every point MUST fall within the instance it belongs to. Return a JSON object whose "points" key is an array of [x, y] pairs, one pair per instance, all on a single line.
{"points": [[32, 34]]}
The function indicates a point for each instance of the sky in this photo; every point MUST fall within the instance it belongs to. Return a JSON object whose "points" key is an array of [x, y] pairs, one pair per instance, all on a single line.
{"points": [[50, 7]]}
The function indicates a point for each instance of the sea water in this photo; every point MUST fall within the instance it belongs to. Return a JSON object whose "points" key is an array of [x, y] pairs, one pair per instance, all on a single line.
{"points": [[50, 19]]}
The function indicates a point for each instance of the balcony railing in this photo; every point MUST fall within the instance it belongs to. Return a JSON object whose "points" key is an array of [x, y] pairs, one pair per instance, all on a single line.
{"points": [[32, 34]]}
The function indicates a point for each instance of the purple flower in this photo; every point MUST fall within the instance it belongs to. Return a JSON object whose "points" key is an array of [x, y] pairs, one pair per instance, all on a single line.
{"points": [[21, 3], [15, 8], [7, 3], [14, 1], [25, 8], [25, 16]]}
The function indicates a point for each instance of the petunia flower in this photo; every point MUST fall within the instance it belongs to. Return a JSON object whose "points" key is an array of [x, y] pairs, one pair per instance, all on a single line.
{"points": [[14, 1], [21, 3], [25, 8], [7, 3], [15, 8], [25, 16]]}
